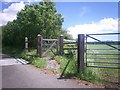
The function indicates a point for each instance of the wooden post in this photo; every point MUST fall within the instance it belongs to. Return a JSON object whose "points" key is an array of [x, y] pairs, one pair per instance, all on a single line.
{"points": [[26, 44], [80, 52], [61, 51], [39, 45]]}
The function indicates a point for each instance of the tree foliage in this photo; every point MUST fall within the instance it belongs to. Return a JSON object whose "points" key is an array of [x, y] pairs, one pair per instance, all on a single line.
{"points": [[34, 19], [64, 32]]}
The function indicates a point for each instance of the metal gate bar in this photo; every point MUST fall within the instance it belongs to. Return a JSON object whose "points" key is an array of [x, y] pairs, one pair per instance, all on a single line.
{"points": [[103, 42]]}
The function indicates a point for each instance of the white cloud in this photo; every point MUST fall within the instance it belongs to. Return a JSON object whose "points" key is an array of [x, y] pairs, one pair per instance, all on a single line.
{"points": [[9, 14], [21, 0], [11, 0], [106, 25], [64, 0]]}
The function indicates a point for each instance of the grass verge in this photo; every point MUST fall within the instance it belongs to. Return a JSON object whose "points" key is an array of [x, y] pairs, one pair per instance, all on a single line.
{"points": [[71, 71]]}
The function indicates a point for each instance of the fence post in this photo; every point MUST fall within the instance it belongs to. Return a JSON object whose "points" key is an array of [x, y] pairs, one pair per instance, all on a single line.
{"points": [[39, 45], [26, 44], [57, 46], [80, 65], [61, 51]]}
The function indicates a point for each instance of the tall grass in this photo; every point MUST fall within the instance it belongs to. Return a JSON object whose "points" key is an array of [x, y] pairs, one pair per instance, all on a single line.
{"points": [[110, 76], [99, 75], [71, 70]]}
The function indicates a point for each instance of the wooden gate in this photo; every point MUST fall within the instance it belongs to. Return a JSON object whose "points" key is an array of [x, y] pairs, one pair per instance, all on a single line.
{"points": [[49, 45], [46, 45]]}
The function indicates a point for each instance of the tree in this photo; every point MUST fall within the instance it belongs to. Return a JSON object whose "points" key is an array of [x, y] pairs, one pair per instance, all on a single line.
{"points": [[40, 18], [34, 19], [10, 34], [66, 35]]}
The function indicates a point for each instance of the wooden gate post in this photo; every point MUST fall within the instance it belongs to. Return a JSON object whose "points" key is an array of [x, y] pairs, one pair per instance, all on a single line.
{"points": [[39, 45], [61, 51], [26, 44], [80, 65]]}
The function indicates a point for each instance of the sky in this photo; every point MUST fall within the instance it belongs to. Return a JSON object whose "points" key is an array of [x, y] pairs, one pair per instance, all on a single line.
{"points": [[86, 12], [79, 17]]}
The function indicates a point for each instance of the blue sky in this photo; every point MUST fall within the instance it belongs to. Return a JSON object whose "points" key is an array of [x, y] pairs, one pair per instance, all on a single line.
{"points": [[86, 12], [79, 17]]}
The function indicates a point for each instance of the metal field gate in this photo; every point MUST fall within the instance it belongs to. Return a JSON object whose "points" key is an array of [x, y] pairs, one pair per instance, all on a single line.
{"points": [[102, 50]]}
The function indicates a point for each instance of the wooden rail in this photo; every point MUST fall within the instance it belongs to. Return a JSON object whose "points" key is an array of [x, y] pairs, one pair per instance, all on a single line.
{"points": [[70, 42], [69, 48], [50, 39]]}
